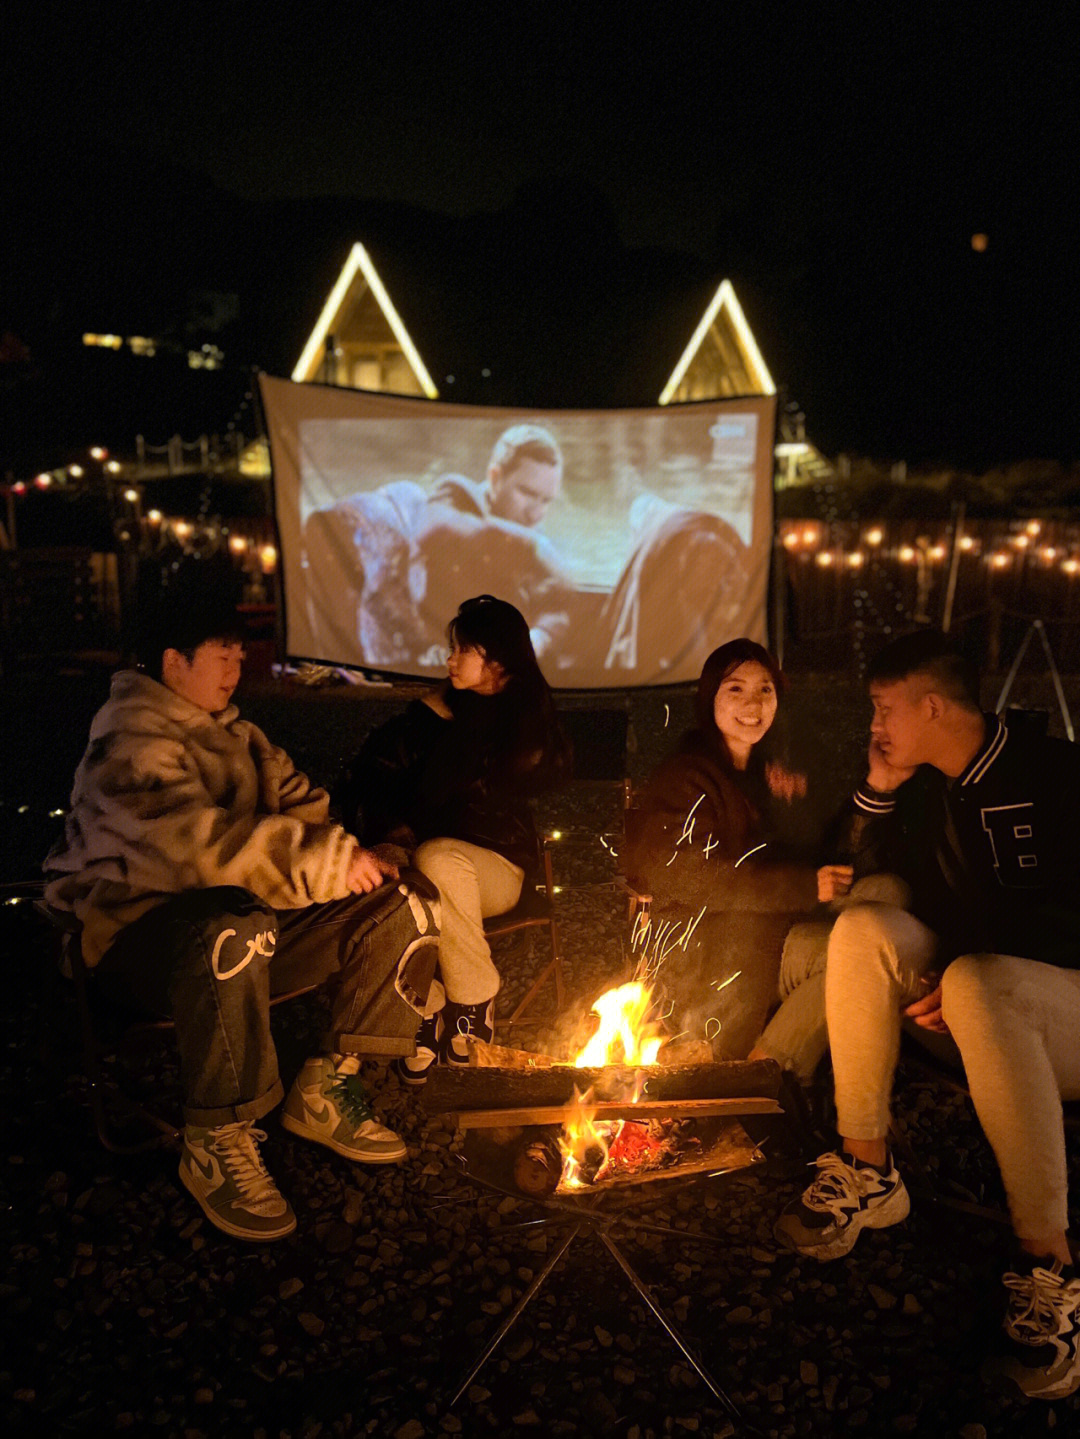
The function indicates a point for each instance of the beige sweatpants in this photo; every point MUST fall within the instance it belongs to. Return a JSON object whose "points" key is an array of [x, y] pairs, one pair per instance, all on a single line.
{"points": [[1016, 1023], [473, 883]]}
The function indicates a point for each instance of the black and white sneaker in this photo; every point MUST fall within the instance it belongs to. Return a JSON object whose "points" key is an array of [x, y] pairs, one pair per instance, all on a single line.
{"points": [[1042, 1332], [847, 1197], [414, 1070], [460, 1021]]}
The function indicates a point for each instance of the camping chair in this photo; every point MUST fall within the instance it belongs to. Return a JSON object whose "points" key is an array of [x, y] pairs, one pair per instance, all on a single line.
{"points": [[534, 910]]}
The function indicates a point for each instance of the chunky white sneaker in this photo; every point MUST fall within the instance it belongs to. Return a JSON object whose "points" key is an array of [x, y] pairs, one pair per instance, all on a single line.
{"points": [[847, 1197], [328, 1103], [1042, 1326], [223, 1169]]}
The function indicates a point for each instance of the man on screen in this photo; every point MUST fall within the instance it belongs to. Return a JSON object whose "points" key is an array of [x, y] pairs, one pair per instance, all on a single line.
{"points": [[409, 557]]}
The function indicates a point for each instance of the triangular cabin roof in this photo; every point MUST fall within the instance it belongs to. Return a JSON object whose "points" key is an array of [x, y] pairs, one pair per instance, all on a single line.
{"points": [[360, 339], [722, 358]]}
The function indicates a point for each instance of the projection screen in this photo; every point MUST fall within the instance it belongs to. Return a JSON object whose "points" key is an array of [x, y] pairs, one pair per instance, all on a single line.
{"points": [[633, 541]]}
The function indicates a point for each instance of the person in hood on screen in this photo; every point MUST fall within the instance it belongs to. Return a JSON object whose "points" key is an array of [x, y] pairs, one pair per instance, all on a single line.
{"points": [[407, 554]]}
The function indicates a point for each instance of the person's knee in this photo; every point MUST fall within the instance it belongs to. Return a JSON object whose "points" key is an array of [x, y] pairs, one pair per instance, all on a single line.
{"points": [[441, 856], [862, 929], [887, 889], [974, 984]]}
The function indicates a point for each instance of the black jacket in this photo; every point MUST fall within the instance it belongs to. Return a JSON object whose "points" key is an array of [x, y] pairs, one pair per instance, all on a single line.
{"points": [[435, 778], [993, 856]]}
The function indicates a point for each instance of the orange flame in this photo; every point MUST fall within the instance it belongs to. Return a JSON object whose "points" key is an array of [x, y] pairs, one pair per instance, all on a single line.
{"points": [[626, 1036]]}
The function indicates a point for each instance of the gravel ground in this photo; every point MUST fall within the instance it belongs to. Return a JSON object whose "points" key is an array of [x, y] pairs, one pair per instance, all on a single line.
{"points": [[124, 1310]]}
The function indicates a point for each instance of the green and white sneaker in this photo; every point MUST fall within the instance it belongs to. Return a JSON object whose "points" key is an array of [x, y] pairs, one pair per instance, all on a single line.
{"points": [[223, 1169], [328, 1103], [847, 1197]]}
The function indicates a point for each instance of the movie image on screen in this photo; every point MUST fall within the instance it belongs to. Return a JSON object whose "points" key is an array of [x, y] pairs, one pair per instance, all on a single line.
{"points": [[633, 541]]}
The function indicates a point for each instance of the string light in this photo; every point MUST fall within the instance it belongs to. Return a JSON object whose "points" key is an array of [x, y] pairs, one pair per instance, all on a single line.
{"points": [[875, 536]]}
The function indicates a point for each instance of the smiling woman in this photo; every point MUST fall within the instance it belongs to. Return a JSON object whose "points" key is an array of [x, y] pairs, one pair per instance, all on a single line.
{"points": [[701, 841]]}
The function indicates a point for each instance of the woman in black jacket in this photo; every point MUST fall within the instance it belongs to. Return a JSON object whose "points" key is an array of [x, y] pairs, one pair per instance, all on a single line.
{"points": [[450, 779], [701, 842]]}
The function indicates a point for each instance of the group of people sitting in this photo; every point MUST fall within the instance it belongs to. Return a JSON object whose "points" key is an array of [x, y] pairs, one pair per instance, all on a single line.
{"points": [[208, 875]]}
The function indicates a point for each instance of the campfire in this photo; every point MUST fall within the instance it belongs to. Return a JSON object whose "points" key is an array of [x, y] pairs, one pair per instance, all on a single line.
{"points": [[629, 1106], [595, 1149]]}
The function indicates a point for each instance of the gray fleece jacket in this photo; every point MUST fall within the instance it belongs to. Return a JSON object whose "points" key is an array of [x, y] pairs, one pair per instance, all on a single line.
{"points": [[170, 798]]}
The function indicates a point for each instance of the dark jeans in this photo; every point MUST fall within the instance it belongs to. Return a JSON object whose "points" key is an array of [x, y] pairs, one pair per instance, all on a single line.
{"points": [[210, 959]]}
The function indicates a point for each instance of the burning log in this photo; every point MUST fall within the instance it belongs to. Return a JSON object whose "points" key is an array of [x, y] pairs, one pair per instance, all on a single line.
{"points": [[498, 1056], [453, 1090], [538, 1164]]}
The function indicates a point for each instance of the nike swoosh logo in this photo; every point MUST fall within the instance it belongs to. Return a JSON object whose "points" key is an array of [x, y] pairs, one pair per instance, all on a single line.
{"points": [[209, 1171], [320, 1113]]}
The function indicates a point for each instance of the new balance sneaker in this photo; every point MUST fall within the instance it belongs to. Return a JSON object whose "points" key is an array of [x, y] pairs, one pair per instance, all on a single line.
{"points": [[328, 1103], [1042, 1331], [223, 1169], [462, 1020], [846, 1197], [414, 1071]]}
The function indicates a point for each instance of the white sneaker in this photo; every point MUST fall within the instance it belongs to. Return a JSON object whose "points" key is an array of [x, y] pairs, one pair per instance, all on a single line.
{"points": [[223, 1169], [1043, 1327], [847, 1197], [328, 1103]]}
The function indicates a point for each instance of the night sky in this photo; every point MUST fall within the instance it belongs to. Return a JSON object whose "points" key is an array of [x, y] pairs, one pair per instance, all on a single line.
{"points": [[836, 170]]}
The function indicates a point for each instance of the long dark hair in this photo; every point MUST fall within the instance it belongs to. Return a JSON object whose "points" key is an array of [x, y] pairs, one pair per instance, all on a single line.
{"points": [[527, 734], [714, 672]]}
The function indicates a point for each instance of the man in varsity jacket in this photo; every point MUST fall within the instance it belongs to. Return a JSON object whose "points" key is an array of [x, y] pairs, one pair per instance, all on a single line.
{"points": [[981, 823]]}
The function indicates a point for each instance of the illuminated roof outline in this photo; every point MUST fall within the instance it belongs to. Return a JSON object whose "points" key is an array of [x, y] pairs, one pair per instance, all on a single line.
{"points": [[724, 304], [360, 262]]}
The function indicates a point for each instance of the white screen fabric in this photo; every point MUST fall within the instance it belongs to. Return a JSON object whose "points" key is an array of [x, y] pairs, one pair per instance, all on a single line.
{"points": [[633, 541]]}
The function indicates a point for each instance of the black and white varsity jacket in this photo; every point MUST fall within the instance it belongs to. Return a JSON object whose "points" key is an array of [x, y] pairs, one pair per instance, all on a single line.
{"points": [[993, 856]]}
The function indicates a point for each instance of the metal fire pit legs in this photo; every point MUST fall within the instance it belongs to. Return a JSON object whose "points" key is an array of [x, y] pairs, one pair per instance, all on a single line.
{"points": [[593, 1223]]}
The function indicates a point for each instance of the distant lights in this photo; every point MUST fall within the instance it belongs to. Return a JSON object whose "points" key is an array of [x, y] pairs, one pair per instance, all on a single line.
{"points": [[103, 342], [875, 536], [97, 453], [113, 467], [1034, 527], [154, 517], [824, 558], [906, 554], [182, 529], [791, 540], [967, 543], [936, 552], [268, 558], [42, 481], [238, 544], [76, 471], [132, 496], [854, 559], [999, 560], [19, 487], [1071, 566]]}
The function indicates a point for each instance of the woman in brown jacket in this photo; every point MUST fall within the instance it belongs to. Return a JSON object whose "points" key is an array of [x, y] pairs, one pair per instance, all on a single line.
{"points": [[701, 843]]}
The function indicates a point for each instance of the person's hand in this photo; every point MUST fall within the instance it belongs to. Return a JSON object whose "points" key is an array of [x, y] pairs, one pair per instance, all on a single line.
{"points": [[367, 871], [784, 783], [881, 775], [834, 881], [926, 1011]]}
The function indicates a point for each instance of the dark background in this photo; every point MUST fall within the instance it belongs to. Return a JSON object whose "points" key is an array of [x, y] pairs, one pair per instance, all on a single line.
{"points": [[554, 196]]}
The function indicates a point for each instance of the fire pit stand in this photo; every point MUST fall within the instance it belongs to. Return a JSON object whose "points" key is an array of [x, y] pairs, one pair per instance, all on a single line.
{"points": [[501, 1109]]}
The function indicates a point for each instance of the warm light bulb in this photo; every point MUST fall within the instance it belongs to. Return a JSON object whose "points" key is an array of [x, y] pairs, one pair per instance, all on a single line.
{"points": [[268, 558], [906, 554], [874, 536], [154, 516]]}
